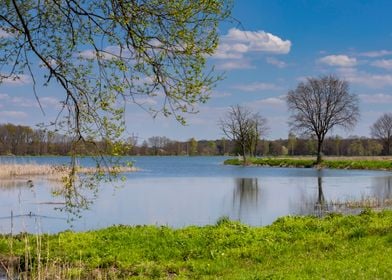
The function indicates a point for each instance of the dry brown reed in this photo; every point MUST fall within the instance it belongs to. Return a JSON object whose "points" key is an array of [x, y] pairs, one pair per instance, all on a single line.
{"points": [[9, 171], [368, 202]]}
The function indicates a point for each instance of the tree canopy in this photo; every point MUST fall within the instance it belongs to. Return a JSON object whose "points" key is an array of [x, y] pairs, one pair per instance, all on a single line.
{"points": [[104, 54], [319, 104], [245, 128], [382, 129]]}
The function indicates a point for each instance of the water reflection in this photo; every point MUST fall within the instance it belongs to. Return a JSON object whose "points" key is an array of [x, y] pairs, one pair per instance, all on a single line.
{"points": [[245, 196], [320, 207], [189, 191], [377, 195], [313, 204], [12, 184], [382, 189]]}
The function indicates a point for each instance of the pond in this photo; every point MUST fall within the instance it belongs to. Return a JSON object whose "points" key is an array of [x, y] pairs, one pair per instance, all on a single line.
{"points": [[182, 191]]}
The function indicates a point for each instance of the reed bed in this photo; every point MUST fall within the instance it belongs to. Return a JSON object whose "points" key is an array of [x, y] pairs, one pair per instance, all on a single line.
{"points": [[369, 202], [9, 171]]}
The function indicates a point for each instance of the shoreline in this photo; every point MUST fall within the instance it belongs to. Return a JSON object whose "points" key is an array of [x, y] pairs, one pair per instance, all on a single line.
{"points": [[370, 163]]}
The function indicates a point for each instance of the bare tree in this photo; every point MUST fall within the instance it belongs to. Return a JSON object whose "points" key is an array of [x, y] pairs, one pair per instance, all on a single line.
{"points": [[158, 143], [245, 128], [319, 104], [382, 129]]}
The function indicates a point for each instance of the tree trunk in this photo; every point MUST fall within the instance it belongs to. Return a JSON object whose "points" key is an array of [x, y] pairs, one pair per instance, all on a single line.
{"points": [[244, 154], [319, 144]]}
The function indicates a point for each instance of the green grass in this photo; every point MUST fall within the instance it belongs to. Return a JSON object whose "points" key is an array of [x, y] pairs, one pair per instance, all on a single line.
{"points": [[308, 163], [335, 247], [359, 164]]}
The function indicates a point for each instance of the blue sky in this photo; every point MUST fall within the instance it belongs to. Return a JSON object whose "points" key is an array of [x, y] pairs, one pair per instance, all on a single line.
{"points": [[275, 45]]}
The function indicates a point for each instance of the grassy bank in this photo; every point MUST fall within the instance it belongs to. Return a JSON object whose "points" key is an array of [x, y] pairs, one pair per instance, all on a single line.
{"points": [[337, 163], [335, 247]]}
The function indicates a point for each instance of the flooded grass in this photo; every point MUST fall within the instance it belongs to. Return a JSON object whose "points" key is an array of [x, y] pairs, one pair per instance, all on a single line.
{"points": [[334, 247], [368, 202]]}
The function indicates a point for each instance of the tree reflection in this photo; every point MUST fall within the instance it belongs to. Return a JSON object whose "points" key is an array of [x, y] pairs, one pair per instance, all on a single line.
{"points": [[382, 190], [320, 206], [12, 184], [315, 205], [379, 197], [245, 196]]}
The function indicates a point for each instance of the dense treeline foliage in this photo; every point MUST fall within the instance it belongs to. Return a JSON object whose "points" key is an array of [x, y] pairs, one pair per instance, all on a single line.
{"points": [[23, 140]]}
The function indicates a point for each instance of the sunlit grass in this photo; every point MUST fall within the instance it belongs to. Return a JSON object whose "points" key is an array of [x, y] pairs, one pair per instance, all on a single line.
{"points": [[370, 163], [334, 247]]}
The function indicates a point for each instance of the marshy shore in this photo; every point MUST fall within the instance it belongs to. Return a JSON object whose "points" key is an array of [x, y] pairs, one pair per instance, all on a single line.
{"points": [[57, 172]]}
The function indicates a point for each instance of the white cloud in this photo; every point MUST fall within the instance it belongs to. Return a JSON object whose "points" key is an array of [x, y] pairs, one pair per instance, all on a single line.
{"points": [[13, 114], [88, 54], [237, 42], [383, 63], [303, 79], [379, 98], [216, 94], [237, 64], [272, 101], [107, 53], [15, 80], [23, 102], [275, 102], [145, 101], [259, 41], [276, 62], [257, 87], [92, 54], [339, 60], [5, 33], [4, 96], [365, 78], [19, 101], [376, 53], [49, 101], [227, 51]]}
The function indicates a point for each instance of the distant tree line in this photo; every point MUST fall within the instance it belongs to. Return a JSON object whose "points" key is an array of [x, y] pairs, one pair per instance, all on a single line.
{"points": [[23, 140]]}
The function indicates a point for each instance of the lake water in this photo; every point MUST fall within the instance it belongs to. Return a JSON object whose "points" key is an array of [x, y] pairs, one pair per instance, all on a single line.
{"points": [[182, 191]]}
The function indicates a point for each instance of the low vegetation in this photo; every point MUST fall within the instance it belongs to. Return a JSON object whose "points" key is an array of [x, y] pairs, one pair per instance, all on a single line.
{"points": [[335, 247], [9, 171], [370, 163]]}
